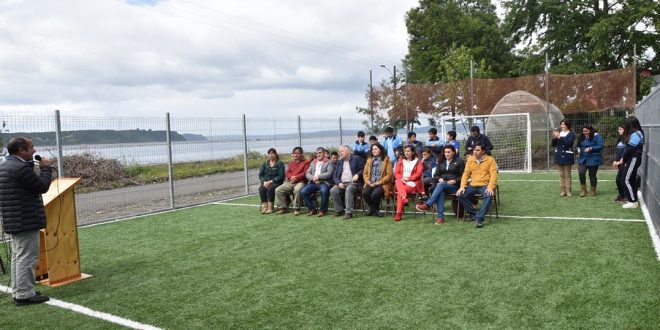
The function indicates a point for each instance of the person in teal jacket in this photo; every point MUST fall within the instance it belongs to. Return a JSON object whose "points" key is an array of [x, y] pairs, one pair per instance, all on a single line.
{"points": [[589, 147], [271, 176]]}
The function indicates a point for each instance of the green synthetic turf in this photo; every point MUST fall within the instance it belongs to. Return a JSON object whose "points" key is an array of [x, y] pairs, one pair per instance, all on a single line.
{"points": [[226, 266]]}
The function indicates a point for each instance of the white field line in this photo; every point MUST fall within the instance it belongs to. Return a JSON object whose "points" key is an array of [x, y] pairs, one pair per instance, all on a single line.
{"points": [[546, 180], [95, 314], [654, 234], [501, 215]]}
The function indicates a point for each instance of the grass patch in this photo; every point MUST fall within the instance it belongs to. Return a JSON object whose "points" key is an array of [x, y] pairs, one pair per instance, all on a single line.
{"points": [[159, 172], [224, 266]]}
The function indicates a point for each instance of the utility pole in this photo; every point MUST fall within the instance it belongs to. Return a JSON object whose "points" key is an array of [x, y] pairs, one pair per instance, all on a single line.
{"points": [[394, 82], [371, 101]]}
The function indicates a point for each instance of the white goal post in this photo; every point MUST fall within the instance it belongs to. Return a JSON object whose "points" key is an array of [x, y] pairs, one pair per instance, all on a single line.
{"points": [[510, 134]]}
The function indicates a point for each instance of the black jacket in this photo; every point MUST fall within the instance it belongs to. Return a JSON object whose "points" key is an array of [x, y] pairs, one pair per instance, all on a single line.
{"points": [[21, 206], [481, 139], [454, 172]]}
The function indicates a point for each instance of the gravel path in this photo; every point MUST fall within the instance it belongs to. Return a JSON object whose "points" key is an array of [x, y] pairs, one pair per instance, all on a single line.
{"points": [[106, 205]]}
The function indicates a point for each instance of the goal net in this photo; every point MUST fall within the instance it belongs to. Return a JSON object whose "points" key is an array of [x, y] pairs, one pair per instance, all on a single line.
{"points": [[510, 134]]}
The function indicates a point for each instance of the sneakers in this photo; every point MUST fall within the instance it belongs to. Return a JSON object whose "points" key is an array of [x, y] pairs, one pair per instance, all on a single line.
{"points": [[630, 205], [479, 223], [36, 299], [397, 217], [422, 207], [439, 221], [348, 216]]}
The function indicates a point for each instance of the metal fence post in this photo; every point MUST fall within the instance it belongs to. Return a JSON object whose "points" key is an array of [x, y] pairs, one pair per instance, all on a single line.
{"points": [[299, 133], [58, 143], [245, 157], [547, 112], [170, 165], [341, 133]]}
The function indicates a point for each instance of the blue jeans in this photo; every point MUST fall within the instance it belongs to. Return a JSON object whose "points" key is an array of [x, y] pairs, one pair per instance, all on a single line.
{"points": [[467, 202], [438, 196], [309, 190]]}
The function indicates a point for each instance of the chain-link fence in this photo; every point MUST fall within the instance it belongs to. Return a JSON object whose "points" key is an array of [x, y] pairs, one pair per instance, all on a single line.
{"points": [[132, 166], [648, 113]]}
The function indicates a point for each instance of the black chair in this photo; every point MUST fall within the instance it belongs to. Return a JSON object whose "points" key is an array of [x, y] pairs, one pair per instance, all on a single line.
{"points": [[413, 198], [494, 204]]}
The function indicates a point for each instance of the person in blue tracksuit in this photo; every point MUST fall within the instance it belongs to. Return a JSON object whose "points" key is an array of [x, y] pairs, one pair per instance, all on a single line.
{"points": [[360, 147], [618, 155], [391, 143], [632, 158]]}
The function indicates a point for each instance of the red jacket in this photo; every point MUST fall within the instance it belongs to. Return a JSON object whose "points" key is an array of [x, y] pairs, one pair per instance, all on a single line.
{"points": [[415, 176], [297, 169]]}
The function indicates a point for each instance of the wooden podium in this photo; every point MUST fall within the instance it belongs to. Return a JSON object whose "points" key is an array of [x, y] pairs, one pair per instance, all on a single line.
{"points": [[59, 257]]}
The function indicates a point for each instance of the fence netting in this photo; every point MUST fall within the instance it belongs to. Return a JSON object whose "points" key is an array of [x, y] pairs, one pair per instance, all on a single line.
{"points": [[648, 113], [124, 162], [578, 93]]}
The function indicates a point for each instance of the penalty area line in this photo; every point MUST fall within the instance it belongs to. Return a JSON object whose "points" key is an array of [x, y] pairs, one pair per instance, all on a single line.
{"points": [[501, 215], [95, 314]]}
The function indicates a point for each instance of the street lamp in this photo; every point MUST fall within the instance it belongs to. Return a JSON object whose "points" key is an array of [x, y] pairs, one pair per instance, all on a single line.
{"points": [[393, 73]]}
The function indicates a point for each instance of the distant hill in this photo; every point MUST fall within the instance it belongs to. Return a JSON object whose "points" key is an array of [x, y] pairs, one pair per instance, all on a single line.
{"points": [[96, 137]]}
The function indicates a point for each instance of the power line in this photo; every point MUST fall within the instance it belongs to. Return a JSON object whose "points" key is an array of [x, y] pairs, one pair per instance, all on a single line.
{"points": [[287, 34], [326, 49]]}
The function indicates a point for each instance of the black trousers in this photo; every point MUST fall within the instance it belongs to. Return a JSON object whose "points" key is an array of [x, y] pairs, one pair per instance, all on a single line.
{"points": [[582, 170], [267, 194], [629, 178], [372, 196], [620, 186]]}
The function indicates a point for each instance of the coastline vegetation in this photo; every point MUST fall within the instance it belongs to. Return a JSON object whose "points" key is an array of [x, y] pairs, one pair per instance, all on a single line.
{"points": [[100, 173]]}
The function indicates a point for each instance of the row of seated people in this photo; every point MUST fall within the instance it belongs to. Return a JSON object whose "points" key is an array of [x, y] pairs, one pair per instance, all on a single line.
{"points": [[375, 179]]}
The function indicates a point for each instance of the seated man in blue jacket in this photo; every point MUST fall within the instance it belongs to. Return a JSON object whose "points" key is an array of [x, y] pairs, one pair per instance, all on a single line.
{"points": [[348, 182]]}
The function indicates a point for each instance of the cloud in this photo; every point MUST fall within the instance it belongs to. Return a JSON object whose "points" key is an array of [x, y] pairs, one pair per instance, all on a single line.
{"points": [[218, 58]]}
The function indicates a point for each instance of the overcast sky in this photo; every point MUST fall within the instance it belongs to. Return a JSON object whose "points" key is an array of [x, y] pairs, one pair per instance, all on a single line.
{"points": [[196, 58]]}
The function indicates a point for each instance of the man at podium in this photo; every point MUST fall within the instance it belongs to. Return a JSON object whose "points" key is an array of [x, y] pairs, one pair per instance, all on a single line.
{"points": [[22, 211]]}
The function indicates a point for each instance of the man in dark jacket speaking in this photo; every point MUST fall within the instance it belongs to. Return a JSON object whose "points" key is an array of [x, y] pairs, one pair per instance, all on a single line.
{"points": [[22, 211]]}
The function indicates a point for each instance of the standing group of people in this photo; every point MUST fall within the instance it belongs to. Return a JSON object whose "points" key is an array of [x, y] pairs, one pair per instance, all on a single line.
{"points": [[377, 171], [589, 147]]}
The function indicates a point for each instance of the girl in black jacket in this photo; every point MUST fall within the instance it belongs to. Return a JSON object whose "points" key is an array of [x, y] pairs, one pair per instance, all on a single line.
{"points": [[448, 175]]}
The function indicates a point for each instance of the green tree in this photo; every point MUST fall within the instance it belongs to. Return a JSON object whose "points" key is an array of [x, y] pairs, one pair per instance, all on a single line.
{"points": [[437, 27], [583, 36]]}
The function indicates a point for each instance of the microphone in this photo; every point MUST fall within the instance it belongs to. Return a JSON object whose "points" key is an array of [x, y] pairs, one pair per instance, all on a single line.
{"points": [[38, 158]]}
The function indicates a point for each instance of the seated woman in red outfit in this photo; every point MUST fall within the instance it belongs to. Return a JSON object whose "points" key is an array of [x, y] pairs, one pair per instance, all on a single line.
{"points": [[408, 178]]}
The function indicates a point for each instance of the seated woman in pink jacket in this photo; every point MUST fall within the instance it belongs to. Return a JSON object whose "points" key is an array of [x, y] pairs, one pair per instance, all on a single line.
{"points": [[408, 178]]}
